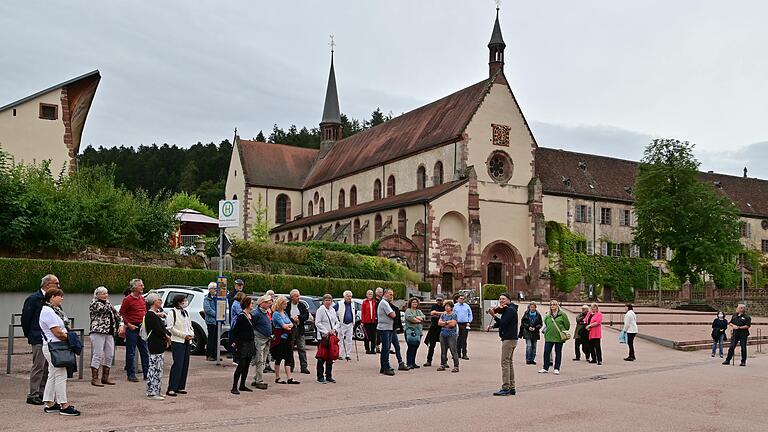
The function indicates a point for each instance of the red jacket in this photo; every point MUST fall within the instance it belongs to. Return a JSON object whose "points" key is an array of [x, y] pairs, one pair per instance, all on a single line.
{"points": [[368, 312], [133, 309]]}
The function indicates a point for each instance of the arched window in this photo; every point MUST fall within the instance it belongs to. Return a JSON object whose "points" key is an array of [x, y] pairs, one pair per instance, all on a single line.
{"points": [[234, 197], [353, 196], [290, 236], [321, 207], [310, 209], [377, 226], [377, 189], [316, 197], [282, 209], [401, 222], [437, 176], [338, 224], [342, 199], [277, 238], [421, 178], [391, 186], [304, 234], [355, 229]]}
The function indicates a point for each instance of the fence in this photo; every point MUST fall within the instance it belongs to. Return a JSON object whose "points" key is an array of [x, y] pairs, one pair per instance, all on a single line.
{"points": [[11, 334], [189, 240]]}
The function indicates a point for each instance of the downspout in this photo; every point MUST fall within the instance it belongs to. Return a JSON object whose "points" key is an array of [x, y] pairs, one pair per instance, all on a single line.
{"points": [[454, 160], [425, 242], [594, 228], [331, 199]]}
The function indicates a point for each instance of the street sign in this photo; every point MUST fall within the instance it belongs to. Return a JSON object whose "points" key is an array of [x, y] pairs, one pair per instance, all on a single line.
{"points": [[229, 213], [221, 298], [226, 242]]}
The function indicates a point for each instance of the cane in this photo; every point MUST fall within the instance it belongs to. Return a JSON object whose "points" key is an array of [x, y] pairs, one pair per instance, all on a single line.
{"points": [[344, 344], [357, 356]]}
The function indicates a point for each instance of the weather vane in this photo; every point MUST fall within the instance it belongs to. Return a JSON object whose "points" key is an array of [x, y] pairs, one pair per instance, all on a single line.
{"points": [[498, 4], [332, 44]]}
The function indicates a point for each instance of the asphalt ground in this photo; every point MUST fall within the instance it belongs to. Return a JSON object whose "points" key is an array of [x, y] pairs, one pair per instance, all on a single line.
{"points": [[663, 390]]}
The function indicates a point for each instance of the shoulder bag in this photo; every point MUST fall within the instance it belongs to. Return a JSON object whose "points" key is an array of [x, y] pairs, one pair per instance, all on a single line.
{"points": [[563, 334]]}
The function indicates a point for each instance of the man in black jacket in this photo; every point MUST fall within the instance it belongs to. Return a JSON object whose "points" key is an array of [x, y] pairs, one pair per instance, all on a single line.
{"points": [[507, 325], [299, 313], [30, 323]]}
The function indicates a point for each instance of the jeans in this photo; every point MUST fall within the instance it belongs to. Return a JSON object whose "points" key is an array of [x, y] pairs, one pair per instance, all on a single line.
{"points": [[741, 339], [324, 366], [449, 343], [38, 374], [548, 354], [385, 336], [431, 350], [718, 342], [133, 341], [180, 367], [410, 354], [631, 343], [507, 367], [211, 350], [103, 349], [596, 350], [301, 347], [396, 346], [370, 337], [461, 344], [155, 374], [530, 350], [56, 385]]}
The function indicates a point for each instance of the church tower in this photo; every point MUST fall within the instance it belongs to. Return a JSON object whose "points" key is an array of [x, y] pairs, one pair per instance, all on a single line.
{"points": [[330, 125], [496, 49]]}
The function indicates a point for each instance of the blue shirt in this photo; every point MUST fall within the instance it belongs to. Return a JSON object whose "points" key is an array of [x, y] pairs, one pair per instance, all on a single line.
{"points": [[279, 319], [446, 331], [234, 312], [348, 310], [463, 313]]}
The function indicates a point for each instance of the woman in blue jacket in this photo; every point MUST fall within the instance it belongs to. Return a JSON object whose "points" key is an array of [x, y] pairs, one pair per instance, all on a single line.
{"points": [[719, 326]]}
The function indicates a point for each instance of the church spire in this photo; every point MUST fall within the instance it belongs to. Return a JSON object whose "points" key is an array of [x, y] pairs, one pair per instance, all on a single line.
{"points": [[330, 125], [496, 47]]}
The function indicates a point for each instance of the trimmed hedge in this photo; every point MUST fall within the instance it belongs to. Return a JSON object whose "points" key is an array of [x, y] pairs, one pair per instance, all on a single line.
{"points": [[425, 287], [23, 275], [493, 291], [338, 247], [306, 270]]}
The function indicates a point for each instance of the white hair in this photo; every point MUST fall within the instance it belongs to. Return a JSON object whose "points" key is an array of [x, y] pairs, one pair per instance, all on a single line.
{"points": [[347, 292], [212, 285], [741, 305], [379, 290], [46, 280], [151, 298], [369, 292], [294, 291], [134, 283], [99, 290]]}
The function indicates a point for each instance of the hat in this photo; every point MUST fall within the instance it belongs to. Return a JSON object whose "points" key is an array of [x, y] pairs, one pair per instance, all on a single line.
{"points": [[239, 282], [439, 297], [263, 299]]}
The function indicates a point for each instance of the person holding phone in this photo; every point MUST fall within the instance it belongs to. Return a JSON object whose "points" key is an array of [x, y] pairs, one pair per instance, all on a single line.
{"points": [[448, 337]]}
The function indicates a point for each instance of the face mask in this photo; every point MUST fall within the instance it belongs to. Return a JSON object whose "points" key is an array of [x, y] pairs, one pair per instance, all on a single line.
{"points": [[184, 304], [721, 316]]}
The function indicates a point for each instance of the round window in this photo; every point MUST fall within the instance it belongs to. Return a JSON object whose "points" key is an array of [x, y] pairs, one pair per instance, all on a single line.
{"points": [[499, 166]]}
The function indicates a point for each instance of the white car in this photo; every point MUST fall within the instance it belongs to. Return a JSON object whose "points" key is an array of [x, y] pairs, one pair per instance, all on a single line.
{"points": [[195, 296]]}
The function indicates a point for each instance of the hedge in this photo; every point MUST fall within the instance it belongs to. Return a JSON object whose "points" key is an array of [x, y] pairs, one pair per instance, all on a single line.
{"points": [[338, 247], [493, 291], [306, 270], [23, 275], [425, 287]]}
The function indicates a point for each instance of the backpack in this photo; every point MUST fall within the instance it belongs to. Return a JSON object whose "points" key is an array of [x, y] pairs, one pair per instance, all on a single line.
{"points": [[143, 329]]}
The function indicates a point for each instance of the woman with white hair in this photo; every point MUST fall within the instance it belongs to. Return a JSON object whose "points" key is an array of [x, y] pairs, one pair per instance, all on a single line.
{"points": [[105, 321], [157, 341]]}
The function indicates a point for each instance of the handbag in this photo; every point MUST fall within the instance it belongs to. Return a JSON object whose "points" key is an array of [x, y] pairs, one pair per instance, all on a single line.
{"points": [[61, 354], [563, 334], [622, 337]]}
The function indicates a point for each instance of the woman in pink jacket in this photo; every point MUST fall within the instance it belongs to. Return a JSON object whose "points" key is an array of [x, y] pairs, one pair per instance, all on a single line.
{"points": [[594, 323]]}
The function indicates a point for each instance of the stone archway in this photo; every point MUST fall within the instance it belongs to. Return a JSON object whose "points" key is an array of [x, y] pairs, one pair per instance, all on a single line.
{"points": [[396, 245], [502, 263]]}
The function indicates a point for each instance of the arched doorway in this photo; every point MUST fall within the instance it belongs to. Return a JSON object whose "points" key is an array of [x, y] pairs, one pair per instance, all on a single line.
{"points": [[502, 264]]}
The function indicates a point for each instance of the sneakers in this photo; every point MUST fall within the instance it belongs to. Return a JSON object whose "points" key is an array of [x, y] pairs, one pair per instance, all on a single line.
{"points": [[133, 379], [442, 368], [455, 370], [557, 371], [388, 372], [543, 371], [742, 364], [53, 408], [427, 364], [504, 392], [726, 362], [155, 397], [69, 411], [330, 380], [34, 400], [260, 385], [633, 359], [402, 367]]}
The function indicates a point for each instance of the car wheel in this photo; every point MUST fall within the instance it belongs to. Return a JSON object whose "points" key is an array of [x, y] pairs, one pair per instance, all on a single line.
{"points": [[359, 332], [197, 344]]}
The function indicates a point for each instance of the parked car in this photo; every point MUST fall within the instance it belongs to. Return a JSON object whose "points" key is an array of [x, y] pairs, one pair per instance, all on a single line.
{"points": [[195, 296], [358, 332], [312, 303]]}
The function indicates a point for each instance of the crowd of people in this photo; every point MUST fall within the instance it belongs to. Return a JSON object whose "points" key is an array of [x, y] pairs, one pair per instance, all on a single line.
{"points": [[271, 328]]}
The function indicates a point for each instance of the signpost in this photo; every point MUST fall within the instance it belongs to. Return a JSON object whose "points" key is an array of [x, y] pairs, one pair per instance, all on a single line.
{"points": [[229, 217]]}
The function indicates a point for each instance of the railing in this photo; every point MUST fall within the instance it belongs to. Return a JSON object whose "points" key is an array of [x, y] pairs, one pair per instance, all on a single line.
{"points": [[189, 240], [11, 335], [654, 295]]}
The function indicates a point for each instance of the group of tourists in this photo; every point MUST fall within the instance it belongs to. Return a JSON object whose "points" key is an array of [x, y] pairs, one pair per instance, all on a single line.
{"points": [[271, 327]]}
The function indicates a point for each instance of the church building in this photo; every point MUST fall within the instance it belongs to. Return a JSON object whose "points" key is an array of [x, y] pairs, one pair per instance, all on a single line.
{"points": [[457, 190]]}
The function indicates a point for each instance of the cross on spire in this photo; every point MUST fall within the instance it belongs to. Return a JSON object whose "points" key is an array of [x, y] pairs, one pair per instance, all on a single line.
{"points": [[498, 4], [332, 44]]}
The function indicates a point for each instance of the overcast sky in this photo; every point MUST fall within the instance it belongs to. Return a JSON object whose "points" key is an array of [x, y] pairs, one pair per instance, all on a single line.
{"points": [[595, 76]]}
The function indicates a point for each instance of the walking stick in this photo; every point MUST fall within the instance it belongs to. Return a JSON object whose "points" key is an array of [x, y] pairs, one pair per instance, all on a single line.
{"points": [[357, 356], [344, 344]]}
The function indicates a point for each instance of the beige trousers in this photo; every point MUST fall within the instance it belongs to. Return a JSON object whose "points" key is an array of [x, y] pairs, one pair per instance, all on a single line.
{"points": [[507, 368]]}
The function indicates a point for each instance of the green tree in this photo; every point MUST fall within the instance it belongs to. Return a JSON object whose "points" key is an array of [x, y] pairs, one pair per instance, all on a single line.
{"points": [[260, 137], [260, 230], [183, 200], [676, 210]]}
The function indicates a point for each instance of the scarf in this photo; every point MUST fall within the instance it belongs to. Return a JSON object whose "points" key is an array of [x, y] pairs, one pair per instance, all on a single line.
{"points": [[60, 313]]}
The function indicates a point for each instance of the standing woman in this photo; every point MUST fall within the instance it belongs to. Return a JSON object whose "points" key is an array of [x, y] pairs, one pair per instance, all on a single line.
{"points": [[104, 324], [243, 343], [157, 341], [53, 323], [281, 347], [581, 335], [594, 324], [556, 326], [719, 326], [449, 336], [413, 319], [530, 324], [181, 335], [368, 319], [236, 308], [630, 327], [326, 322]]}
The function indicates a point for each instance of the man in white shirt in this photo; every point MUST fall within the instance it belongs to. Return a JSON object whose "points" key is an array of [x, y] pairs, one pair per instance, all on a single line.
{"points": [[345, 310], [463, 319]]}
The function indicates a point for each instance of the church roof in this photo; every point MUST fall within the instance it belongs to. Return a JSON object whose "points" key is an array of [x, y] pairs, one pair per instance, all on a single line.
{"points": [[496, 38], [599, 177], [437, 123], [275, 165], [331, 113], [395, 201]]}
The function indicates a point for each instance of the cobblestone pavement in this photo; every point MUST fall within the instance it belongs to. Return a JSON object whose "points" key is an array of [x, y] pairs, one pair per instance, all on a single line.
{"points": [[679, 391]]}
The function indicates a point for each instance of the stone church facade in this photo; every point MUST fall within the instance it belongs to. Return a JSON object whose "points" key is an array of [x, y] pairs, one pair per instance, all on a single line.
{"points": [[458, 189]]}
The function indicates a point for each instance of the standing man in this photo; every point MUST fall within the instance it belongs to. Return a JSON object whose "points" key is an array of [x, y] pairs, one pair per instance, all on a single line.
{"points": [[262, 332], [433, 334], [209, 307], [298, 311], [30, 317], [464, 319], [740, 323], [385, 329], [133, 309], [507, 325], [239, 285], [581, 335], [379, 294], [345, 310]]}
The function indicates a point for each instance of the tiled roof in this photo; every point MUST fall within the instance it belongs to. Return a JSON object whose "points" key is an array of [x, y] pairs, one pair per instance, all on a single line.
{"points": [[402, 200], [275, 165], [579, 174], [439, 122]]}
